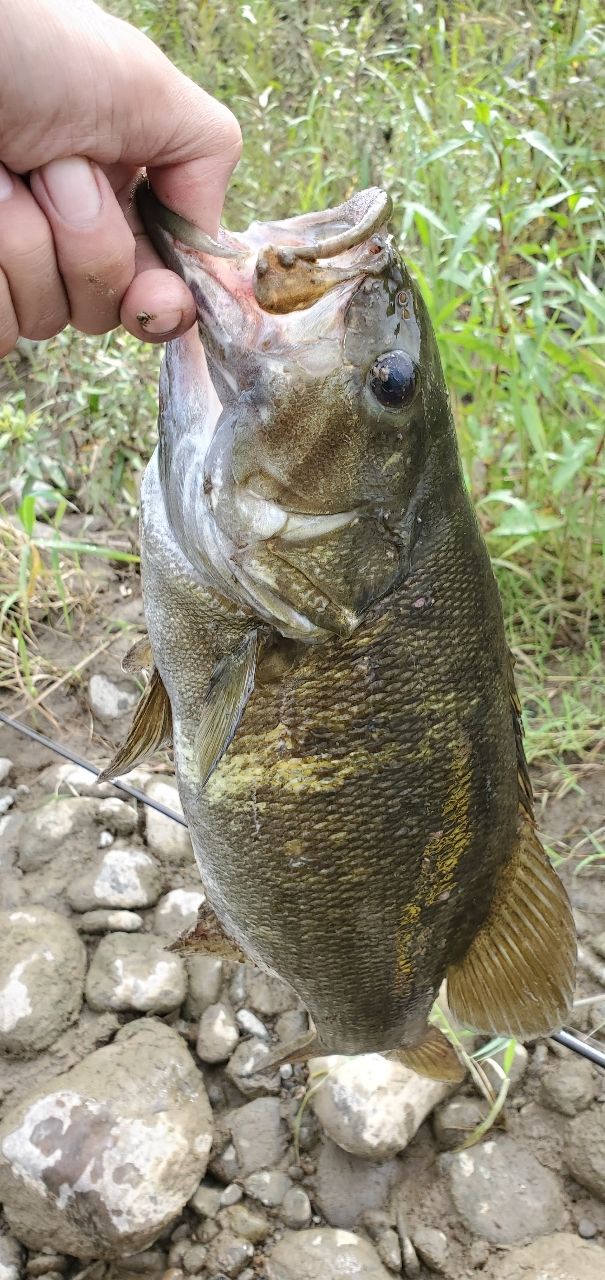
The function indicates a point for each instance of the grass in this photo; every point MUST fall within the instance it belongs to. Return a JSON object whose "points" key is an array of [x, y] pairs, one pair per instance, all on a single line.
{"points": [[487, 125]]}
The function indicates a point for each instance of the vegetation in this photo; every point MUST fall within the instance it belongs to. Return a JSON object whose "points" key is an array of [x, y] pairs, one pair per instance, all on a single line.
{"points": [[487, 124]]}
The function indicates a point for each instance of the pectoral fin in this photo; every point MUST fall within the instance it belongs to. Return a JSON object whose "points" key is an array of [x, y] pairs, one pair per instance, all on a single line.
{"points": [[151, 729], [435, 1058], [518, 975], [231, 684]]}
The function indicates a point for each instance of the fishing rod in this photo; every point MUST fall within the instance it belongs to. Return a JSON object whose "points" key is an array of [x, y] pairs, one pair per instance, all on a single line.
{"points": [[562, 1037]]}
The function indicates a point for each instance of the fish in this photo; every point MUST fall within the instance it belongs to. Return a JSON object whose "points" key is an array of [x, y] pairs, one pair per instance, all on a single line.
{"points": [[328, 653]]}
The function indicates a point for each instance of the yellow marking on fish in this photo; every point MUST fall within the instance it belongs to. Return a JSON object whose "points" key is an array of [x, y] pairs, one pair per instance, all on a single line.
{"points": [[441, 855], [395, 457]]}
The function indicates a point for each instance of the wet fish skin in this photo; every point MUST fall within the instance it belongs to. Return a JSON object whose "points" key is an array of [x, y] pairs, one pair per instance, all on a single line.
{"points": [[356, 834]]}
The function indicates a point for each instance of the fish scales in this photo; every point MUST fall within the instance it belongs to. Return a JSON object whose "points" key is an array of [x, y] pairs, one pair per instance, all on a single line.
{"points": [[326, 626]]}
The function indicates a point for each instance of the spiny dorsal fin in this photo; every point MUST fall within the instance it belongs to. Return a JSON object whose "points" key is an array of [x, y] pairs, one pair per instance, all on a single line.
{"points": [[518, 975], [435, 1058], [230, 687], [138, 656], [151, 729]]}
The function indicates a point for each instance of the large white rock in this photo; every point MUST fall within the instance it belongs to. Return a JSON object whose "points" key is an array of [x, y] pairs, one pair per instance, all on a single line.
{"points": [[177, 911], [370, 1106], [324, 1254], [42, 968], [170, 842], [124, 878], [100, 1160], [106, 701], [45, 829], [133, 972]]}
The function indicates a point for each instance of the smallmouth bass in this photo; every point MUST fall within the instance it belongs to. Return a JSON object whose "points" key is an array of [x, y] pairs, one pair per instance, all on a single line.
{"points": [[328, 647]]}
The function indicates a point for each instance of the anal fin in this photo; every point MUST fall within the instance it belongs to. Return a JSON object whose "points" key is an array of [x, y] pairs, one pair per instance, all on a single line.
{"points": [[151, 729], [435, 1058], [518, 975], [208, 938], [298, 1050], [230, 687]]}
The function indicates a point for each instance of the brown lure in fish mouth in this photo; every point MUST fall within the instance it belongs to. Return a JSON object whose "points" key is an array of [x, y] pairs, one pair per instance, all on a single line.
{"points": [[287, 277]]}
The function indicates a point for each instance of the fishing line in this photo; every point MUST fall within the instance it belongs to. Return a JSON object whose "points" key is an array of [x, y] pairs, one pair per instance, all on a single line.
{"points": [[562, 1037], [92, 768]]}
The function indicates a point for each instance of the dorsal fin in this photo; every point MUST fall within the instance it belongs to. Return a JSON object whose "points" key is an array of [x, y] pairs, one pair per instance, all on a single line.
{"points": [[518, 975], [151, 729]]}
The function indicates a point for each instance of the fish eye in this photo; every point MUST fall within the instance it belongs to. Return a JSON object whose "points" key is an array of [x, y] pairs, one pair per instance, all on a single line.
{"points": [[392, 379]]}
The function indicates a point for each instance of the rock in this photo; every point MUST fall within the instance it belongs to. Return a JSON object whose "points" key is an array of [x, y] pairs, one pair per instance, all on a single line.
{"points": [[267, 994], [109, 922], [42, 968], [504, 1194], [127, 878], [232, 1194], [206, 1201], [370, 1106], [431, 1245], [345, 1185], [10, 828], [177, 912], [585, 1152], [225, 1166], [7, 799], [252, 1226], [117, 816], [245, 1070], [517, 1068], [45, 829], [106, 701], [205, 982], [11, 1257], [553, 1257], [259, 1136], [269, 1188], [296, 1209], [70, 779], [134, 972], [229, 1254], [569, 1087], [143, 1263], [252, 1025], [587, 1229], [376, 1222], [170, 842], [105, 840], [291, 1024], [5, 767], [324, 1254], [389, 1250], [42, 1263], [456, 1120], [478, 1253], [194, 1259], [103, 1158], [218, 1034]]}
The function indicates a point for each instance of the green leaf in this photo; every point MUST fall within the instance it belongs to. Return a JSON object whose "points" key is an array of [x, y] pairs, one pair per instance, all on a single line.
{"points": [[468, 229], [445, 149], [541, 143]]}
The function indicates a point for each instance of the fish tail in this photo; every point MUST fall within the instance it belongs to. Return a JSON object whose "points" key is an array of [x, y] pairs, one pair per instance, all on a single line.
{"points": [[518, 975], [435, 1058]]}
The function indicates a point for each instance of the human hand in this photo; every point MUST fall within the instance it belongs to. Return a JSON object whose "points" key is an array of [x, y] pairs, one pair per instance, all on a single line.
{"points": [[86, 101]]}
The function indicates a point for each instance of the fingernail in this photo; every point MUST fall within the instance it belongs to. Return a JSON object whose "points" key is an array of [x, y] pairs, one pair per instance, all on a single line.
{"points": [[7, 185], [72, 188], [165, 322]]}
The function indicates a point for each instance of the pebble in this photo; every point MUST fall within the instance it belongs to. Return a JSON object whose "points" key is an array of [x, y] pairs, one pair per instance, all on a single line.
{"points": [[42, 969], [133, 972], [143, 1263], [346, 1185], [5, 767], [170, 842], [230, 1195], [569, 1087], [229, 1254], [10, 828], [584, 1151], [218, 1034], [389, 1250], [7, 799], [45, 829], [42, 1263], [205, 982], [516, 1070], [322, 1252], [103, 1158], [431, 1246], [244, 1222], [376, 1222], [503, 1193], [206, 1201], [478, 1253], [456, 1120], [252, 1025], [295, 1210], [259, 1135], [245, 1070], [177, 912], [267, 994], [117, 816], [105, 840], [128, 878], [11, 1257], [553, 1257], [106, 701], [109, 922], [292, 1023], [269, 1187], [587, 1229], [370, 1106], [225, 1166], [194, 1259]]}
